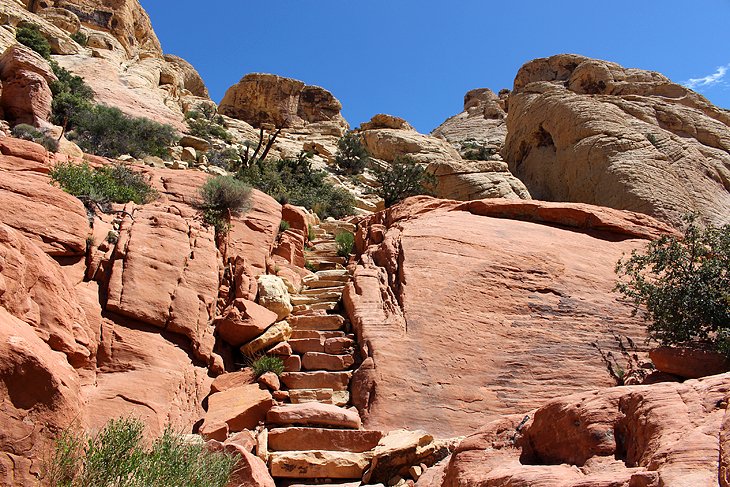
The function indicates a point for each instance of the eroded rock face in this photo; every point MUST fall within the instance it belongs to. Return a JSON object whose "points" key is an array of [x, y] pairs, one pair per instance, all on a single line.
{"points": [[284, 102], [664, 434], [26, 94], [489, 307], [591, 131]]}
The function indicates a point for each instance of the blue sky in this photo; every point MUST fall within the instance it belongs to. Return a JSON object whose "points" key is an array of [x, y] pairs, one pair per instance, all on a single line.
{"points": [[416, 58]]}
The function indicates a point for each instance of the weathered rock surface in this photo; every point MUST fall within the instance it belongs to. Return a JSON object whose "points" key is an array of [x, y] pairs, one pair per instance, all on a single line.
{"points": [[314, 414], [26, 94], [242, 321], [239, 408], [591, 131], [188, 76], [689, 363], [664, 434], [291, 439], [318, 464], [284, 102], [503, 300]]}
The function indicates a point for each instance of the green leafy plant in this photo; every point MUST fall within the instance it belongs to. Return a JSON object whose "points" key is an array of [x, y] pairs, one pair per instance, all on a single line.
{"points": [[117, 456], [294, 181], [351, 157], [266, 363], [71, 96], [475, 151], [310, 266], [222, 197], [30, 35], [284, 226], [206, 123], [683, 286], [28, 132], [80, 38], [311, 236], [103, 185], [345, 242], [112, 237], [403, 178]]}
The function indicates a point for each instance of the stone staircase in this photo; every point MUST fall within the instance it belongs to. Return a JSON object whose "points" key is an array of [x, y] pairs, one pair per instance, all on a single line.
{"points": [[314, 435]]}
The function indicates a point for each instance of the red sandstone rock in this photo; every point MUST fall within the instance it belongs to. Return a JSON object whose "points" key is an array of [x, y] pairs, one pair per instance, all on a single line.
{"points": [[282, 349], [689, 363], [270, 381], [291, 247], [253, 234], [521, 321], [243, 321], [314, 414], [326, 361], [298, 218], [240, 408], [26, 94], [23, 155], [233, 379], [250, 471], [289, 439], [243, 439]]}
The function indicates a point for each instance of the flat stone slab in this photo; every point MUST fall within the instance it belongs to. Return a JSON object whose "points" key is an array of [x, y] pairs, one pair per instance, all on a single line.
{"points": [[318, 464], [337, 381], [326, 361], [314, 414], [293, 439], [316, 322]]}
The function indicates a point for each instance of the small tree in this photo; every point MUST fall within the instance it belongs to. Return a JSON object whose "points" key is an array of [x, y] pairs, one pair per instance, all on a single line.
{"points": [[30, 36], [222, 197], [351, 157], [404, 178], [683, 285]]}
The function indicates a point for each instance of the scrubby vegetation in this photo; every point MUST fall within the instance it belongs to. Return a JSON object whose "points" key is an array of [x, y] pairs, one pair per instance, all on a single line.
{"points": [[475, 151], [403, 178], [80, 38], [30, 35], [71, 96], [266, 363], [103, 185], [294, 181], [351, 157], [120, 456], [284, 226], [28, 132], [345, 242], [682, 285], [207, 124], [221, 197]]}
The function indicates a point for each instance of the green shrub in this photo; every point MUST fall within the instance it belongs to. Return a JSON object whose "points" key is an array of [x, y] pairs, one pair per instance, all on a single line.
{"points": [[71, 96], [28, 132], [226, 158], [266, 363], [345, 242], [106, 131], [403, 178], [351, 157], [310, 266], [311, 236], [294, 181], [207, 124], [284, 226], [117, 456], [30, 35], [80, 38], [683, 285], [475, 151], [102, 185], [221, 197]]}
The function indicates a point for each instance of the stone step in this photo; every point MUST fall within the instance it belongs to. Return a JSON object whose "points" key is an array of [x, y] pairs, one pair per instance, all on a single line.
{"points": [[322, 297], [326, 335], [316, 291], [335, 227], [326, 361], [317, 284], [317, 322], [306, 345], [338, 381], [315, 414], [297, 438], [316, 464], [334, 275], [326, 396], [327, 266], [325, 306], [339, 345], [319, 260]]}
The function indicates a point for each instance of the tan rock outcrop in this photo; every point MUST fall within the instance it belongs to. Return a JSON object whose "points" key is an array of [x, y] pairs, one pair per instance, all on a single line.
{"points": [[189, 77], [665, 434], [26, 94], [503, 300], [284, 102], [591, 131]]}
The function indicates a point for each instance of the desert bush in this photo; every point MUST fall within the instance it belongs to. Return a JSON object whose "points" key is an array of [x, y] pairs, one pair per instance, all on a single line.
{"points": [[351, 157], [294, 181], [30, 35], [226, 158], [71, 96], [475, 151], [120, 456], [403, 178], [80, 38], [102, 185], [683, 286], [345, 242], [284, 226], [311, 236], [28, 132], [266, 363], [207, 124], [221, 197]]}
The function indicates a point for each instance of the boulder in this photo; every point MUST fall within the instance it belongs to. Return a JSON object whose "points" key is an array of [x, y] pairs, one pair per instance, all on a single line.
{"points": [[240, 407], [314, 414], [278, 332], [274, 295], [318, 464], [26, 94], [261, 99], [242, 321], [191, 81], [591, 131], [689, 363], [196, 143], [232, 380], [270, 381], [251, 471]]}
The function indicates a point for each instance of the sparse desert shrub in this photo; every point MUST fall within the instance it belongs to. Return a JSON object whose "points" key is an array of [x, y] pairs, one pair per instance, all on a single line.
{"points": [[266, 363], [30, 35], [474, 151], [683, 286], [403, 178], [311, 236], [222, 197], [119, 456], [310, 266], [80, 38], [345, 242], [294, 181], [351, 157], [71, 96], [284, 226], [207, 124], [226, 158], [28, 132], [108, 184]]}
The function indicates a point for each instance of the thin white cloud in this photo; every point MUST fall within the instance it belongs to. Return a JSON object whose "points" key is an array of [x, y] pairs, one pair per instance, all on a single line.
{"points": [[713, 79]]}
